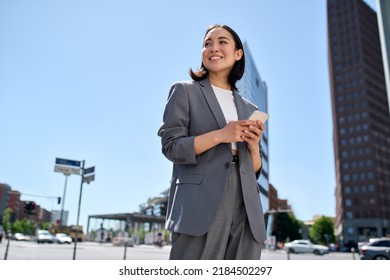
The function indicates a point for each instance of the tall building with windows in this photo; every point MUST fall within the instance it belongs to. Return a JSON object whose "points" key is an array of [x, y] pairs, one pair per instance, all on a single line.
{"points": [[361, 122], [384, 31], [255, 90]]}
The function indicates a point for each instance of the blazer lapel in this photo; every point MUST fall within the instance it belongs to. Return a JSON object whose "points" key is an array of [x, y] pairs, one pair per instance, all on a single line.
{"points": [[243, 113], [211, 99]]}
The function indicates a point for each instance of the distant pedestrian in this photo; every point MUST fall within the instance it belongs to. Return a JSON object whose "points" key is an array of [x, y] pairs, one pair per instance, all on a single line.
{"points": [[214, 208]]}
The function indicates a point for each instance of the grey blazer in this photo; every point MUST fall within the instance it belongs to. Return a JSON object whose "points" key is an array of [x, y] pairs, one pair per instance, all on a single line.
{"points": [[198, 182]]}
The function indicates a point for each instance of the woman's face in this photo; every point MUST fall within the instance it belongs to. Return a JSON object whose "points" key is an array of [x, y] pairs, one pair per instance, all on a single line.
{"points": [[219, 51]]}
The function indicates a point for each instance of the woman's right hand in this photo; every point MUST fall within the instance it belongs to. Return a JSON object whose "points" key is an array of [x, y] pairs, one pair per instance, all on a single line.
{"points": [[234, 131]]}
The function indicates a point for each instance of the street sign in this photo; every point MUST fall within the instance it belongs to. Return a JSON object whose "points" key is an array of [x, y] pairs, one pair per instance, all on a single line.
{"points": [[68, 162], [89, 178], [89, 170], [66, 169]]}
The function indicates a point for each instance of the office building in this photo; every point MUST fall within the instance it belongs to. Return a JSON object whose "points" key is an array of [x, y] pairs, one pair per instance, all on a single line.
{"points": [[361, 122], [384, 31], [255, 90]]}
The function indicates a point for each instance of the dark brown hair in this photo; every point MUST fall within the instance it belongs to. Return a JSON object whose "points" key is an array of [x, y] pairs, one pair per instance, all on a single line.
{"points": [[238, 67]]}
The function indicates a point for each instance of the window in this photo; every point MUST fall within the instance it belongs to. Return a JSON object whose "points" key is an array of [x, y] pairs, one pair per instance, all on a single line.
{"points": [[382, 243]]}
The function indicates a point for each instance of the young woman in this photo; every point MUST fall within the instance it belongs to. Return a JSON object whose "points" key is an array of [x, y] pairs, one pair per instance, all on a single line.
{"points": [[214, 208]]}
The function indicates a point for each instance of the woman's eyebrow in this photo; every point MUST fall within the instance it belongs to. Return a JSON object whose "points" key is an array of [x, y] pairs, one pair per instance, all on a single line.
{"points": [[219, 38]]}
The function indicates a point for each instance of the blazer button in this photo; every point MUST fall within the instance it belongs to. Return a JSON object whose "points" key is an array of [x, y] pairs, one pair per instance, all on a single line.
{"points": [[227, 165]]}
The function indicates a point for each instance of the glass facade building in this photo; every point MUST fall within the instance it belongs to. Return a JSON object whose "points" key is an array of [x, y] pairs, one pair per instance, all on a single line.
{"points": [[384, 31], [254, 89], [361, 122]]}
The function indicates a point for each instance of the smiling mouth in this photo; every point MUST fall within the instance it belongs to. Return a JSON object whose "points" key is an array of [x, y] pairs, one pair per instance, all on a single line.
{"points": [[215, 58]]}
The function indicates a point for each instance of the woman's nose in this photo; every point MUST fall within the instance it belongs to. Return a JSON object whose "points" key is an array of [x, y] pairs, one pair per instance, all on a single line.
{"points": [[214, 48]]}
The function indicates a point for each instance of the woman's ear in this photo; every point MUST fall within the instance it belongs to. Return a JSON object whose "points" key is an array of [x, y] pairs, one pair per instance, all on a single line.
{"points": [[238, 54]]}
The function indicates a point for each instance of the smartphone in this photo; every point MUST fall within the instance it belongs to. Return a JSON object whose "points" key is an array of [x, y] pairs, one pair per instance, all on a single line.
{"points": [[258, 115]]}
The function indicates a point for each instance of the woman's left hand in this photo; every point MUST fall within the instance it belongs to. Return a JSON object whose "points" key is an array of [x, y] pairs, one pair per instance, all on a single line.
{"points": [[252, 135]]}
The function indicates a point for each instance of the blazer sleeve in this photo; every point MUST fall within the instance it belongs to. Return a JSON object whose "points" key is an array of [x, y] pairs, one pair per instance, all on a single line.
{"points": [[261, 167], [177, 144]]}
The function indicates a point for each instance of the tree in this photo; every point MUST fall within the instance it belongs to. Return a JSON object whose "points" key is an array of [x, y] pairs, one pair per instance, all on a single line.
{"points": [[7, 219], [286, 227], [322, 231], [46, 225], [24, 226]]}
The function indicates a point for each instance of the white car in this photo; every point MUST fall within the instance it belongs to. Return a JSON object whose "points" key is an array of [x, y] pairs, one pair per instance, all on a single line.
{"points": [[44, 236], [62, 238], [21, 237], [305, 246]]}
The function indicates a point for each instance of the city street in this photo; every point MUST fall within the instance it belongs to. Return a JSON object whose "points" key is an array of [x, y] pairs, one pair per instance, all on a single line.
{"points": [[21, 250]]}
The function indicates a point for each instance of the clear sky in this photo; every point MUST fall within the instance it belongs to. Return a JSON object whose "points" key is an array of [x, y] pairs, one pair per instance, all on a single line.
{"points": [[88, 80]]}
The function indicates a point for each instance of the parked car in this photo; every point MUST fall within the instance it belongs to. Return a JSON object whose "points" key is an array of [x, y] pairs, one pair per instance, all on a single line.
{"points": [[379, 249], [44, 236], [21, 237], [62, 238], [305, 246]]}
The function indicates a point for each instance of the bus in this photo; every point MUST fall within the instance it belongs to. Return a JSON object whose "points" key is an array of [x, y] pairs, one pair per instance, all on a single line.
{"points": [[72, 231]]}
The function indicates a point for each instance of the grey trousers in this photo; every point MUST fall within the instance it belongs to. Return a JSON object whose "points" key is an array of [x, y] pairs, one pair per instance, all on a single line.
{"points": [[229, 238]]}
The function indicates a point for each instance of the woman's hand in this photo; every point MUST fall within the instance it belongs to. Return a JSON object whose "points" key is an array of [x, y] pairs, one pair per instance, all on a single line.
{"points": [[252, 135], [240, 131]]}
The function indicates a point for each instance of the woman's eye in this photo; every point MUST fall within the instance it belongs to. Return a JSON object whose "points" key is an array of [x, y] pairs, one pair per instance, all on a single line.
{"points": [[223, 42]]}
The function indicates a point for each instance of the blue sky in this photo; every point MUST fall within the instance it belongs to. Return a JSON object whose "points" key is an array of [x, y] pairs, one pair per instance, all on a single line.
{"points": [[88, 80]]}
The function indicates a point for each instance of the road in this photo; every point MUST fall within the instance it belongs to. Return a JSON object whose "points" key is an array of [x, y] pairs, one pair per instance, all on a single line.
{"points": [[22, 250]]}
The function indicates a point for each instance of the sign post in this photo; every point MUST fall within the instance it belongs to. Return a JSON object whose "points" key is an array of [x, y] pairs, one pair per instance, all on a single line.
{"points": [[67, 167], [84, 179]]}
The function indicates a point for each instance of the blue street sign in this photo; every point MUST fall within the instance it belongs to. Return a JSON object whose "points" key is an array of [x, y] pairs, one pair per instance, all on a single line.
{"points": [[68, 162], [89, 170]]}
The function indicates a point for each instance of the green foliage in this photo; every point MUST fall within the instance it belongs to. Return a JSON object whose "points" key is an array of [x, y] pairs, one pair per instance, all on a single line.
{"points": [[142, 236], [322, 231], [46, 225], [6, 219], [286, 226], [24, 226]]}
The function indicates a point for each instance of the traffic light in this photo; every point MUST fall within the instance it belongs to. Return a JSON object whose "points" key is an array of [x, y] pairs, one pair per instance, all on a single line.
{"points": [[59, 200], [29, 207]]}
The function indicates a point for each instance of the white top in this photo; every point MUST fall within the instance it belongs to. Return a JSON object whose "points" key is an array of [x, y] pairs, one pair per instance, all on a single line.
{"points": [[226, 102]]}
